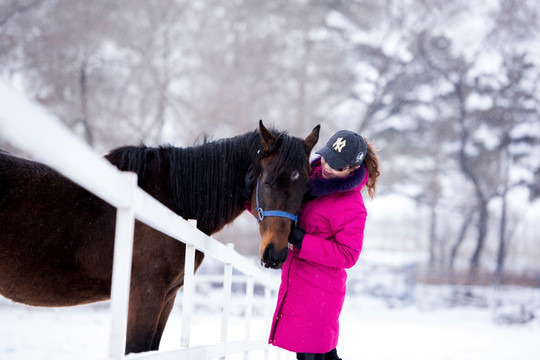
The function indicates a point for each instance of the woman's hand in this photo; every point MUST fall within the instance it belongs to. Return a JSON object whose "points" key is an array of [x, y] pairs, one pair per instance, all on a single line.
{"points": [[296, 236]]}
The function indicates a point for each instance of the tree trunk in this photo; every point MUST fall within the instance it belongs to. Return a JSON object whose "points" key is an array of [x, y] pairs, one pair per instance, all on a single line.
{"points": [[435, 249], [502, 249], [433, 234], [482, 232], [467, 168], [303, 79], [462, 233], [83, 84]]}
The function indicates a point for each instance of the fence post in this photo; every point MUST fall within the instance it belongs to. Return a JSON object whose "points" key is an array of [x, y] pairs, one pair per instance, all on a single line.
{"points": [[249, 310], [267, 315], [188, 292], [121, 276], [227, 284]]}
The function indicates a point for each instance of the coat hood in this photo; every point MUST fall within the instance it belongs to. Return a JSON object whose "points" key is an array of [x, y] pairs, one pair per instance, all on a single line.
{"points": [[320, 186]]}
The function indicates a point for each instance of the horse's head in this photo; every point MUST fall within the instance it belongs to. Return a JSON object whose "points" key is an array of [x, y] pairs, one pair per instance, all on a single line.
{"points": [[284, 179]]}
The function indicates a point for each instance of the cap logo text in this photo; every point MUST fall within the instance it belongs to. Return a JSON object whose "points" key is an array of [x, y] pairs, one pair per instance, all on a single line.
{"points": [[339, 144]]}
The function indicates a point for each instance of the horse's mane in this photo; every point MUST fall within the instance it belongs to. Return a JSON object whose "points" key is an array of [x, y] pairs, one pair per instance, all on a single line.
{"points": [[208, 182]]}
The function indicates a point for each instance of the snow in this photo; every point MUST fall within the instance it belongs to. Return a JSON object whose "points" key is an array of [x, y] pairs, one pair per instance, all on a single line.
{"points": [[385, 316], [369, 330], [457, 333]]}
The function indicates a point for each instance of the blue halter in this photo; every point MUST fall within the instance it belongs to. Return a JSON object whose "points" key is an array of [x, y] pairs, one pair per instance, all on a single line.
{"points": [[262, 213]]}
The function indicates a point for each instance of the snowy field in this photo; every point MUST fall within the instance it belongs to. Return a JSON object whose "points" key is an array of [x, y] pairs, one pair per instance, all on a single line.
{"points": [[369, 330]]}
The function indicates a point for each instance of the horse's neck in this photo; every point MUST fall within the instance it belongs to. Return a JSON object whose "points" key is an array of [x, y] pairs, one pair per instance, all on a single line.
{"points": [[207, 182]]}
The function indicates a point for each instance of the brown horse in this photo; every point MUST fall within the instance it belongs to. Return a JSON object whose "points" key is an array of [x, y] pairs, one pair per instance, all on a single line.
{"points": [[56, 239]]}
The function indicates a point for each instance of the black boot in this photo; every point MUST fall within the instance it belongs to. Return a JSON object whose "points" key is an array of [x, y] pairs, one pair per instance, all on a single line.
{"points": [[308, 356], [332, 355]]}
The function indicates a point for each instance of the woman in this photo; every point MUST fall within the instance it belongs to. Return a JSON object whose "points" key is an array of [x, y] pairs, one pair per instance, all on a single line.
{"points": [[327, 240]]}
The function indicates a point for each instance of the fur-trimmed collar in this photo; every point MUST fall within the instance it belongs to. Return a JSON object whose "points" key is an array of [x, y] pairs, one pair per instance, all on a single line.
{"points": [[320, 186]]}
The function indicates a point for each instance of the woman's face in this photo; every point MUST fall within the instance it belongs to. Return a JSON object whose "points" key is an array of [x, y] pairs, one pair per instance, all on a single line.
{"points": [[329, 173]]}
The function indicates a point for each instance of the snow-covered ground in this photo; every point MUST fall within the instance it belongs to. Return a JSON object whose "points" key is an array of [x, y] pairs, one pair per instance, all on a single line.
{"points": [[369, 330]]}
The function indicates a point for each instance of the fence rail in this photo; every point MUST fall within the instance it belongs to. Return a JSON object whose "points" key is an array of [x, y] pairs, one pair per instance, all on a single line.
{"points": [[45, 139]]}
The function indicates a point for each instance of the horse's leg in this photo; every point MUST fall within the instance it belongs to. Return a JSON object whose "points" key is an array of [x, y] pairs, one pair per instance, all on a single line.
{"points": [[165, 312], [148, 291], [143, 318], [170, 303], [156, 275]]}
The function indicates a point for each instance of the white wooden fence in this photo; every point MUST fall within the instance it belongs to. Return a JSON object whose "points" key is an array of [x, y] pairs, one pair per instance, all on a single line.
{"points": [[30, 128]]}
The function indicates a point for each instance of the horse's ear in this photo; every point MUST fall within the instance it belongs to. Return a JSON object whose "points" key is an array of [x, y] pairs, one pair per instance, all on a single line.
{"points": [[312, 139], [267, 138]]}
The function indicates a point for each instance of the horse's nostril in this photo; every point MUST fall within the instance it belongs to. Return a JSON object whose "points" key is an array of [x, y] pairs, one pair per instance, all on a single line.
{"points": [[266, 252], [273, 259]]}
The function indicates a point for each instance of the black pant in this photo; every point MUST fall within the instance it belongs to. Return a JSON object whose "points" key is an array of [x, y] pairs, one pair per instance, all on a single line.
{"points": [[331, 355]]}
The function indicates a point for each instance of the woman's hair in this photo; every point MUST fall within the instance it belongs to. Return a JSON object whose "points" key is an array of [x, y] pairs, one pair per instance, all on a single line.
{"points": [[372, 165]]}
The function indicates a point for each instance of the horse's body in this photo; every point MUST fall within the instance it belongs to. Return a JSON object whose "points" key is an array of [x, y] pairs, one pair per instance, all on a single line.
{"points": [[56, 239]]}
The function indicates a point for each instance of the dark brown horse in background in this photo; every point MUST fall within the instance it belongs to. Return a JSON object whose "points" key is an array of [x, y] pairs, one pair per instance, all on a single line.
{"points": [[56, 239]]}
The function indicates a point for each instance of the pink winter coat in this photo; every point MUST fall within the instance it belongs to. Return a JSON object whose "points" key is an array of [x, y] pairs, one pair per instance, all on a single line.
{"points": [[313, 279]]}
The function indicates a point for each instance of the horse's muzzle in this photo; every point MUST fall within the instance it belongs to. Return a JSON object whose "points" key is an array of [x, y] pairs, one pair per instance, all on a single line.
{"points": [[272, 258]]}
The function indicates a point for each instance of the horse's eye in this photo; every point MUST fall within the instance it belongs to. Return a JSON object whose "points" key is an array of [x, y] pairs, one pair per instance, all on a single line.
{"points": [[295, 175]]}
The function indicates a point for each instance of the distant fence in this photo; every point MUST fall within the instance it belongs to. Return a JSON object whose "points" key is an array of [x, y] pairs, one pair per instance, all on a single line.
{"points": [[47, 140]]}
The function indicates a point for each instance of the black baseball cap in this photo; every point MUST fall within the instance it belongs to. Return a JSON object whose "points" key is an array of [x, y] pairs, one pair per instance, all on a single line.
{"points": [[344, 148]]}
